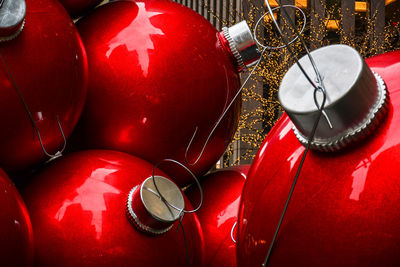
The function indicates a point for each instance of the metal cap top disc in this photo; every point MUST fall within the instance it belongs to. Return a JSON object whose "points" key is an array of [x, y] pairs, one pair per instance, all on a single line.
{"points": [[354, 96], [12, 15], [340, 67], [153, 203]]}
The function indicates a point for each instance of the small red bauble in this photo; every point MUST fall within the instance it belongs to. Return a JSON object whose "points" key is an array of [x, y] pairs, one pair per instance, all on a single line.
{"points": [[16, 235], [344, 209], [157, 72], [218, 215], [79, 211], [47, 60], [77, 8]]}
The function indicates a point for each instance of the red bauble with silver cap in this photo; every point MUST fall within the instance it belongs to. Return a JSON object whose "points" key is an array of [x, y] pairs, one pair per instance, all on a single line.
{"points": [[344, 209], [16, 235], [102, 207], [161, 77], [218, 215], [43, 77]]}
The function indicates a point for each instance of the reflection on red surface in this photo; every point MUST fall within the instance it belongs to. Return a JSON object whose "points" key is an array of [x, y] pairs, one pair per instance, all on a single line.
{"points": [[125, 135], [77, 207], [222, 190], [154, 66], [296, 154], [128, 36], [91, 197], [284, 131], [344, 209], [226, 214], [16, 235], [359, 179]]}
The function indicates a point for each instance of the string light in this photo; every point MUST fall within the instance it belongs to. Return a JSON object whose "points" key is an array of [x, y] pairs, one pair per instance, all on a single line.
{"points": [[255, 123]]}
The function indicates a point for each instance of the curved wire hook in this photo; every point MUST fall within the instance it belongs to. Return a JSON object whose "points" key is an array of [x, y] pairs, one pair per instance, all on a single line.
{"points": [[221, 117], [244, 83], [298, 34], [197, 128], [35, 126], [194, 177], [317, 73], [319, 78], [310, 138], [288, 46], [270, 12], [233, 229]]}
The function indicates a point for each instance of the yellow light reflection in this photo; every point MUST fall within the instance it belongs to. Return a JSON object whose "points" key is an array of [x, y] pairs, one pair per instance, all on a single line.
{"points": [[272, 3], [332, 24], [359, 6], [299, 3], [268, 18], [363, 7]]}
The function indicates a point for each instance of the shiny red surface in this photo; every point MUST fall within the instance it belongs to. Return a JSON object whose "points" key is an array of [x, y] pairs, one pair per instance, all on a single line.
{"points": [[77, 207], [48, 62], [345, 207], [222, 190], [157, 71], [16, 235], [77, 8]]}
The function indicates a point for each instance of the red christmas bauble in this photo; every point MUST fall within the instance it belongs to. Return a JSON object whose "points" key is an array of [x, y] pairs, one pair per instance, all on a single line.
{"points": [[77, 8], [47, 60], [80, 214], [157, 72], [16, 235], [218, 215], [344, 209]]}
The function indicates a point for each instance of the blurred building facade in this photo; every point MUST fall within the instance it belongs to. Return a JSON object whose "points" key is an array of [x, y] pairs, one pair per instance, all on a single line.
{"points": [[346, 15]]}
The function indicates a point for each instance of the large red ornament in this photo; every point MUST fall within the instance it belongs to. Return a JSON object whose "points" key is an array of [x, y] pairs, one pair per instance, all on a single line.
{"points": [[16, 235], [158, 77], [344, 210], [80, 210], [77, 8], [218, 215], [47, 61]]}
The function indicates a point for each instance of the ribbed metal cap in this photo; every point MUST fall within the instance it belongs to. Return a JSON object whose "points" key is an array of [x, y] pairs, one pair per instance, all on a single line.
{"points": [[12, 18], [148, 211], [356, 98], [242, 44]]}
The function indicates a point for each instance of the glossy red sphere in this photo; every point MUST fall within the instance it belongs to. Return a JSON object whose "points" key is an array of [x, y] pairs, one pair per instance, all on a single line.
{"points": [[77, 206], [217, 216], [77, 8], [157, 73], [16, 235], [345, 208], [48, 62]]}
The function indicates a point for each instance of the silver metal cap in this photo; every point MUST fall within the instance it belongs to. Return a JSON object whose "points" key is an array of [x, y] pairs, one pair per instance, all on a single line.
{"points": [[12, 18], [153, 203], [242, 44], [356, 98], [147, 210]]}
